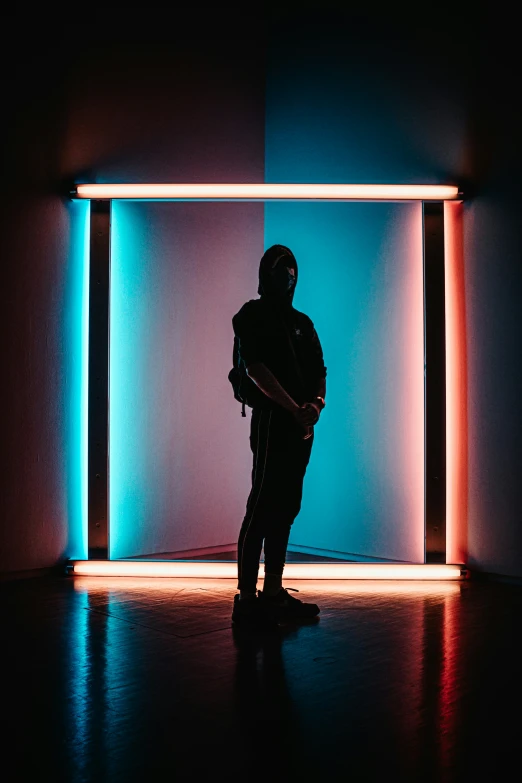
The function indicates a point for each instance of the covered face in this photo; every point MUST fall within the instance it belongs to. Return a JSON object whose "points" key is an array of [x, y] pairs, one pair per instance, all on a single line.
{"points": [[278, 275]]}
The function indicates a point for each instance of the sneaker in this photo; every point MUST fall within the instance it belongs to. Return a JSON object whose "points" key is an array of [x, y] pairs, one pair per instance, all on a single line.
{"points": [[284, 607], [250, 613]]}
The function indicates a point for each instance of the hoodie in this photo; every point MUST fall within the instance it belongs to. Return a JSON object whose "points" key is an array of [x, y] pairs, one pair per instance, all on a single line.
{"points": [[280, 257], [265, 327]]}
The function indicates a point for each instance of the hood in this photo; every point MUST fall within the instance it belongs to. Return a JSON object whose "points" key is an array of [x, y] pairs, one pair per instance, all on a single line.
{"points": [[274, 255]]}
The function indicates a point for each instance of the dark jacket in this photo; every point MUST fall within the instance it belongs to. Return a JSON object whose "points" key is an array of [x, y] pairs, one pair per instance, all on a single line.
{"points": [[265, 327]]}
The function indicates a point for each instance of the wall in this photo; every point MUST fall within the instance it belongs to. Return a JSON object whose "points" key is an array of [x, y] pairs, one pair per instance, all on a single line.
{"points": [[380, 99], [349, 101], [391, 100], [130, 98], [361, 282], [42, 299], [492, 250]]}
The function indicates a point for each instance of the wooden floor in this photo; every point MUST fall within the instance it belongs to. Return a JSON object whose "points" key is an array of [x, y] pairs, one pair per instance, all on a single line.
{"points": [[145, 680]]}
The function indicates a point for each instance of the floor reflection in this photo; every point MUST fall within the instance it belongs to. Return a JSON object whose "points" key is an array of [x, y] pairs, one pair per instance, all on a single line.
{"points": [[278, 680], [161, 586], [79, 705], [267, 714], [124, 679]]}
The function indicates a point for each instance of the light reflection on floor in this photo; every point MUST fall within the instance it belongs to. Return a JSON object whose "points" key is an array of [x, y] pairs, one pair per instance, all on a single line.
{"points": [[113, 678], [308, 586]]}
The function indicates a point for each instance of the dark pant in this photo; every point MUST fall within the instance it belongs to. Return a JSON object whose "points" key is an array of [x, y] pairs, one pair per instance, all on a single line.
{"points": [[281, 456]]}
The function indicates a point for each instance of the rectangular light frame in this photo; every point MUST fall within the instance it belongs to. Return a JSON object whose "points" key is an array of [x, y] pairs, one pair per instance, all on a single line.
{"points": [[99, 523]]}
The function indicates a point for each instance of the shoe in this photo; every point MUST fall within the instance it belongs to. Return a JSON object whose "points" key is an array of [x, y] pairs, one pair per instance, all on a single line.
{"points": [[284, 607], [250, 613]]}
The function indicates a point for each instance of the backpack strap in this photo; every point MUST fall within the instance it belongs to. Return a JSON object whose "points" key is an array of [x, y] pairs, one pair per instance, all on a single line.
{"points": [[237, 365]]}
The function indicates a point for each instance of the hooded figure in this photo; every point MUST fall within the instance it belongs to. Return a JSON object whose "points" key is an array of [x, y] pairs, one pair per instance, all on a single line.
{"points": [[284, 360], [276, 283], [272, 332]]}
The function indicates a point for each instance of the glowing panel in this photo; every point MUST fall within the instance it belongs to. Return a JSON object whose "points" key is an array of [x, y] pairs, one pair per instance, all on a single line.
{"points": [[180, 460], [224, 570], [76, 390], [361, 283], [456, 388], [263, 192]]}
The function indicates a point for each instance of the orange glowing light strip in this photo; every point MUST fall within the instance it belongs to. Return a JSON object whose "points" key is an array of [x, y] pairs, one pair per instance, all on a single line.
{"points": [[267, 192], [456, 386], [224, 570], [408, 587]]}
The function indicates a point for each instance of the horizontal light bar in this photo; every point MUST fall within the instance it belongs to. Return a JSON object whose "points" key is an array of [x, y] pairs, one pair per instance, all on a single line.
{"points": [[267, 192], [224, 570]]}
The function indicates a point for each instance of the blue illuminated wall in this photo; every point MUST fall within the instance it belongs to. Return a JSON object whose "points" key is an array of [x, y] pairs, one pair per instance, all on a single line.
{"points": [[336, 111], [348, 101], [360, 280]]}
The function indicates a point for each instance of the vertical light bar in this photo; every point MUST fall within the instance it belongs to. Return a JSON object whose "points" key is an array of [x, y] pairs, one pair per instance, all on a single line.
{"points": [[435, 397], [75, 391], [84, 386], [456, 387], [98, 527]]}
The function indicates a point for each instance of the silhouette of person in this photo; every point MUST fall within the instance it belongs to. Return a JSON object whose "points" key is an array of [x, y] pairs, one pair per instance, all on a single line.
{"points": [[284, 358]]}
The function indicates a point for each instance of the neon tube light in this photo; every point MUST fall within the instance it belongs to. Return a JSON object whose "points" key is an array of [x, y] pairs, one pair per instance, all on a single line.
{"points": [[223, 570], [456, 387], [84, 394], [267, 192]]}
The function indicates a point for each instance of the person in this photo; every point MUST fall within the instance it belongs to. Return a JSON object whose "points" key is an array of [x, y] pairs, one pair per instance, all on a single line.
{"points": [[284, 358]]}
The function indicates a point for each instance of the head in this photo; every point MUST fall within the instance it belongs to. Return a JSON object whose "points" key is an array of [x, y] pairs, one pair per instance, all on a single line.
{"points": [[278, 275]]}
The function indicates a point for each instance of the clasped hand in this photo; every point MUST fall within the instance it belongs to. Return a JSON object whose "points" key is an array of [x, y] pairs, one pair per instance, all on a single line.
{"points": [[307, 415]]}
